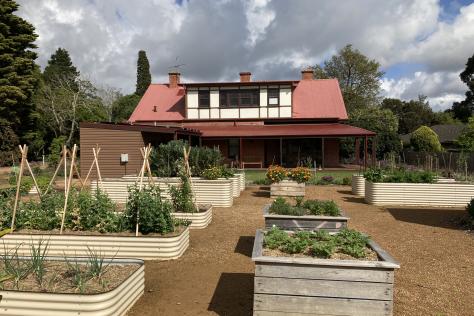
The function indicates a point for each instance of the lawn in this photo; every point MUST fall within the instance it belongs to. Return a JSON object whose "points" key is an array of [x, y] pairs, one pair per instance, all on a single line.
{"points": [[258, 176]]}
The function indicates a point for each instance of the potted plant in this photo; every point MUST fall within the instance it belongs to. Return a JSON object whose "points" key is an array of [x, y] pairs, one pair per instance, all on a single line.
{"points": [[289, 182], [304, 215], [92, 285], [318, 273]]}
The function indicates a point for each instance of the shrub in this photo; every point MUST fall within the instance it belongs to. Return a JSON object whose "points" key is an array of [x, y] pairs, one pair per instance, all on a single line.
{"points": [[309, 207], [346, 181], [319, 207], [276, 173], [470, 209], [280, 206], [424, 139], [374, 175], [299, 174], [42, 215], [181, 196], [201, 158], [212, 173], [154, 213]]}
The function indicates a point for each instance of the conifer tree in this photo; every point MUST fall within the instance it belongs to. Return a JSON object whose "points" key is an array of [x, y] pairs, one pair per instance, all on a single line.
{"points": [[143, 73], [60, 66]]}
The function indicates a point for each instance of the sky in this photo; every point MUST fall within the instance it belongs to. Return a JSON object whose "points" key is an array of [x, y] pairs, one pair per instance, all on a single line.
{"points": [[422, 45]]}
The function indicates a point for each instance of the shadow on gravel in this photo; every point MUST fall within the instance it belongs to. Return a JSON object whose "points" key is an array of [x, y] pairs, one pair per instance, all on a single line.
{"points": [[233, 295], [263, 193], [245, 245], [436, 217], [353, 198]]}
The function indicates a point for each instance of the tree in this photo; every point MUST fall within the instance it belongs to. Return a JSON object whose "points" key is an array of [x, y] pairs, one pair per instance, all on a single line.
{"points": [[424, 139], [466, 139], [60, 67], [143, 73], [108, 96], [445, 117], [411, 114], [465, 109], [17, 80], [124, 106], [381, 121], [359, 77]]}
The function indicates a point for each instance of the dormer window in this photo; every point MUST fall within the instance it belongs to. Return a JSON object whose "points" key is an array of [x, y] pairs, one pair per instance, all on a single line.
{"points": [[273, 97], [244, 98], [204, 99]]}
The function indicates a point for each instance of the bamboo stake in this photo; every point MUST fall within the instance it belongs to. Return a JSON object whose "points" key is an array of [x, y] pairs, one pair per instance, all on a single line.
{"points": [[148, 168], [76, 170], [65, 168], [141, 174], [38, 190], [90, 169], [189, 175], [96, 160], [18, 181], [68, 187], [54, 175]]}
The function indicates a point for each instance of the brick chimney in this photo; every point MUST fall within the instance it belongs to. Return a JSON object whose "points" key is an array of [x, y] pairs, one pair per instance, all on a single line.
{"points": [[174, 79], [245, 76], [307, 74]]}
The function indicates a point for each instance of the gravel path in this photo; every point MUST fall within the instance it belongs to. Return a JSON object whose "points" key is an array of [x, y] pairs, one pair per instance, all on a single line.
{"points": [[215, 275]]}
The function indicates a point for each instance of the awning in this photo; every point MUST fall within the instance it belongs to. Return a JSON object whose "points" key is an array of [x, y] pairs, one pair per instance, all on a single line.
{"points": [[282, 130]]}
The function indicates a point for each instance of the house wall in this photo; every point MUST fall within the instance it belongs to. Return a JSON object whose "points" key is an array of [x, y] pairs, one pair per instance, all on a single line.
{"points": [[284, 110], [112, 143], [331, 152], [254, 150]]}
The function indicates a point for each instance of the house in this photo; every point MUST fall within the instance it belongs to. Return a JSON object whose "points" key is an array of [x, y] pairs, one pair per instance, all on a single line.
{"points": [[253, 123], [447, 134]]}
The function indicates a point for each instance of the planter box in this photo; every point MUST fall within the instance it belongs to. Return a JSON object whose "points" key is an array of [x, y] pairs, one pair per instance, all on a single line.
{"points": [[198, 220], [235, 180], [419, 194], [287, 188], [141, 247], [305, 222], [115, 302], [241, 176], [215, 192], [358, 185], [310, 286]]}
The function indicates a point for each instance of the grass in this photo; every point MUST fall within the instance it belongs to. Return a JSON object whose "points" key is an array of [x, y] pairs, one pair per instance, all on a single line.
{"points": [[259, 175]]}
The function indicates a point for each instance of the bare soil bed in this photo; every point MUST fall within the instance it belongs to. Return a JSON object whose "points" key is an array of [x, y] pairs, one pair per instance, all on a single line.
{"points": [[215, 275]]}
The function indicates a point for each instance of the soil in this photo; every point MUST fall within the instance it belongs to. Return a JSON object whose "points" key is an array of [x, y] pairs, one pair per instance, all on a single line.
{"points": [[59, 279], [215, 275], [370, 255]]}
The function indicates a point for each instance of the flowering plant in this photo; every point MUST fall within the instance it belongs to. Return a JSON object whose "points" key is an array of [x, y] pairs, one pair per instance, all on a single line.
{"points": [[276, 173], [299, 174]]}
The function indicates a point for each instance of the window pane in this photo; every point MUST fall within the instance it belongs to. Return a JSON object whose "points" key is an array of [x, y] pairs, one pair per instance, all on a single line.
{"points": [[234, 99], [204, 99]]}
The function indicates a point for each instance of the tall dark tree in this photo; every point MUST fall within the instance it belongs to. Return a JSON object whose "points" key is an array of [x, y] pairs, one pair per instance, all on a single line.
{"points": [[60, 67], [143, 73], [465, 109], [359, 77], [123, 107], [411, 114], [17, 80]]}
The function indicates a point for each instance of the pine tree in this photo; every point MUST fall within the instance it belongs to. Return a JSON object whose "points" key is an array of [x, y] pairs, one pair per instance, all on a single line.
{"points": [[465, 109], [143, 73], [60, 66], [17, 66]]}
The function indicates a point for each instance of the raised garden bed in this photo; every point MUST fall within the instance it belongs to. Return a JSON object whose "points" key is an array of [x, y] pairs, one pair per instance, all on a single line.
{"points": [[121, 245], [358, 184], [241, 176], [219, 193], [304, 222], [419, 194], [199, 220], [303, 285], [235, 185], [123, 287], [287, 188]]}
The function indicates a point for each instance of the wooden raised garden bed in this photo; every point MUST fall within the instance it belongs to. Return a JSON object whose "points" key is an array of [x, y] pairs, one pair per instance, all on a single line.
{"points": [[304, 222], [287, 188], [146, 247], [419, 194], [311, 286], [358, 184], [116, 301], [219, 193], [199, 220]]}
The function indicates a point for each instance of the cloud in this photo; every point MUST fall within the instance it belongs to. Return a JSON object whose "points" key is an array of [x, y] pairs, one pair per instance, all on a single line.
{"points": [[274, 39]]}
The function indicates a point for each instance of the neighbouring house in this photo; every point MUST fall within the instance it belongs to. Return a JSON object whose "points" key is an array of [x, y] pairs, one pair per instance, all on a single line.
{"points": [[253, 123], [447, 134]]}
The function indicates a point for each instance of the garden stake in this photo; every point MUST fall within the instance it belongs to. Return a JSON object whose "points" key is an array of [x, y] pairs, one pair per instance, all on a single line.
{"points": [[68, 187], [65, 168], [148, 169], [188, 174], [92, 166], [96, 160], [76, 170], [38, 191], [55, 173], [22, 164], [146, 152]]}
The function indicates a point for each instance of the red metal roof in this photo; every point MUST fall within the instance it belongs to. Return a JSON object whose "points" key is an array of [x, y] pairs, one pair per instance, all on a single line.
{"points": [[320, 98], [280, 130], [169, 104]]}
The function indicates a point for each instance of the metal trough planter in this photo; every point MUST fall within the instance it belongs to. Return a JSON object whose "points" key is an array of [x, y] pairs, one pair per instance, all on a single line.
{"points": [[305, 222], [235, 184], [114, 302], [199, 220], [218, 193], [311, 286], [419, 194], [241, 176], [287, 188], [141, 247], [358, 184]]}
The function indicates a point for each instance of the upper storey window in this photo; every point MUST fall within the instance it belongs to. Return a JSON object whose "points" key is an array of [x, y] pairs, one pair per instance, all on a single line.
{"points": [[239, 98], [273, 97], [204, 99]]}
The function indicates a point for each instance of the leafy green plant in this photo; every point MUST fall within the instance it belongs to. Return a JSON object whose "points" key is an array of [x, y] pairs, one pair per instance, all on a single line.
{"points": [[374, 175], [79, 274], [154, 214], [321, 207], [274, 238], [38, 257], [96, 263], [280, 206], [294, 245], [212, 173], [346, 181], [14, 266], [322, 249], [181, 196]]}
